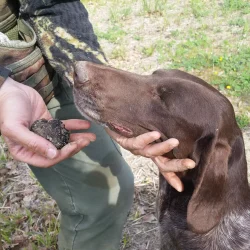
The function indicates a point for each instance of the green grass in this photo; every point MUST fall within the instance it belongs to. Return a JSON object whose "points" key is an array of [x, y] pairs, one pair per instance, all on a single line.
{"points": [[114, 34], [228, 70], [4, 156], [243, 120], [148, 51], [8, 226], [119, 52], [125, 241], [199, 8], [137, 37], [239, 21], [246, 28], [242, 23], [163, 50], [235, 67], [42, 229], [175, 33], [157, 7], [235, 5], [188, 54], [118, 15]]}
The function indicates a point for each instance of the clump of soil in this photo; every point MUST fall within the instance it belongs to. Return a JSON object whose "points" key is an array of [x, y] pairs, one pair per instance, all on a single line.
{"points": [[52, 130]]}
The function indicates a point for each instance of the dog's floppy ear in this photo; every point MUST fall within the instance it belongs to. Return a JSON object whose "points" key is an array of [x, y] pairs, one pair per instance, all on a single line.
{"points": [[207, 203]]}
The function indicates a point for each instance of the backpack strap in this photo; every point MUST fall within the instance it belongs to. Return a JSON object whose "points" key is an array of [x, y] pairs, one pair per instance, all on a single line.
{"points": [[25, 60], [8, 18]]}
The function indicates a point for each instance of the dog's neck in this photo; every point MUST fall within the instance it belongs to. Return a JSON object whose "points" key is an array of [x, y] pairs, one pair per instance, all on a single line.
{"points": [[236, 198]]}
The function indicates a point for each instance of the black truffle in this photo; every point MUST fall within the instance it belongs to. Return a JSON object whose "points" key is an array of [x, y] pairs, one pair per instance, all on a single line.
{"points": [[53, 130]]}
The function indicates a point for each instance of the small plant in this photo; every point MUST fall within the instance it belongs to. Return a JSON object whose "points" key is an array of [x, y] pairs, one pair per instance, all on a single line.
{"points": [[41, 233], [116, 15], [148, 51], [233, 5], [243, 120], [175, 33], [238, 22], [154, 7], [236, 71], [113, 34], [163, 50], [125, 241], [229, 70], [137, 37], [8, 224], [198, 8], [4, 155], [49, 237], [241, 22], [246, 28], [136, 215], [118, 52]]}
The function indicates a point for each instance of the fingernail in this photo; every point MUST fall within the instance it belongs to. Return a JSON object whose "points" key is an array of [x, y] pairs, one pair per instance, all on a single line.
{"points": [[156, 134], [51, 153], [174, 142], [174, 145], [190, 165], [179, 189]]}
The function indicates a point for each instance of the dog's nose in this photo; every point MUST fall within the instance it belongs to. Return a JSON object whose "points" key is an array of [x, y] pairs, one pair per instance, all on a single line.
{"points": [[80, 74]]}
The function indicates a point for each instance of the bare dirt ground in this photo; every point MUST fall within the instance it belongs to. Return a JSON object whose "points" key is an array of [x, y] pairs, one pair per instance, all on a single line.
{"points": [[23, 196]]}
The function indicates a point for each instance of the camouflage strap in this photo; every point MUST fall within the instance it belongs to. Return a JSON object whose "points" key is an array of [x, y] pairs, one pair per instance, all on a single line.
{"points": [[8, 18], [9, 23], [64, 33], [26, 63]]}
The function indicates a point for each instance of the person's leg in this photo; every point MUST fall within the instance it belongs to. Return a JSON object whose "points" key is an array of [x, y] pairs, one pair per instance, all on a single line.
{"points": [[93, 189]]}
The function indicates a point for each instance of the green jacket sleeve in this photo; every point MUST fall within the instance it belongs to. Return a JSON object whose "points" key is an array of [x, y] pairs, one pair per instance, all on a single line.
{"points": [[64, 33]]}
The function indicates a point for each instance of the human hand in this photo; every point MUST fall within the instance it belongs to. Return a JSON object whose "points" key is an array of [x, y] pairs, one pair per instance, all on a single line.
{"points": [[140, 145], [20, 106]]}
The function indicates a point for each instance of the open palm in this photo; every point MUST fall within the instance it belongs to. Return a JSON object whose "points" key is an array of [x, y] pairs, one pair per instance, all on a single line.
{"points": [[20, 106]]}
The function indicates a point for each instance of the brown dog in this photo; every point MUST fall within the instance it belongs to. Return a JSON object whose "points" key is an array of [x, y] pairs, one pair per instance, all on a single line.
{"points": [[213, 212]]}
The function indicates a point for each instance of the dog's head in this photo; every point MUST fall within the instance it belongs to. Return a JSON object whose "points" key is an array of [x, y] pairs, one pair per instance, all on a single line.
{"points": [[178, 105]]}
